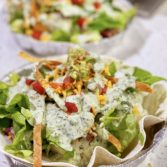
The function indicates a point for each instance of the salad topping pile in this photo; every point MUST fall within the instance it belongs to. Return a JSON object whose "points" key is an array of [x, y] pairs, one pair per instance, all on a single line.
{"points": [[65, 109], [77, 21]]}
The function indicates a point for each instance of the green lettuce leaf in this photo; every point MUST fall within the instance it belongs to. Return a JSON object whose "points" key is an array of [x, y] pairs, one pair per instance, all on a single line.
{"points": [[3, 112], [5, 122], [103, 21], [13, 79], [112, 69], [123, 125], [22, 143], [145, 76], [18, 118], [20, 153], [3, 93], [60, 35], [28, 116], [53, 148], [119, 21], [18, 101]]}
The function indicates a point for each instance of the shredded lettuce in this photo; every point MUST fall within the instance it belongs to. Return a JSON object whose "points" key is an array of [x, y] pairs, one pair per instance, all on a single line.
{"points": [[53, 147], [18, 101], [28, 116], [3, 112], [3, 93], [18, 118], [60, 35], [5, 123], [118, 21], [21, 145], [13, 79], [146, 77], [19, 153], [112, 69], [123, 125]]}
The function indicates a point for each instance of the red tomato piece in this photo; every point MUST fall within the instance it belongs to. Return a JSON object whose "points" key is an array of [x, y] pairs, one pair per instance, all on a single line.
{"points": [[97, 5], [103, 90], [81, 22], [109, 33], [38, 88], [71, 107], [29, 82], [68, 81], [77, 2], [37, 34]]}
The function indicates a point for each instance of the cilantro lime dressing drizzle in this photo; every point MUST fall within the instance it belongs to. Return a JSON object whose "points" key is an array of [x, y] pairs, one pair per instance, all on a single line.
{"points": [[67, 127], [37, 105], [20, 87], [116, 94], [36, 100], [90, 100], [59, 101]]}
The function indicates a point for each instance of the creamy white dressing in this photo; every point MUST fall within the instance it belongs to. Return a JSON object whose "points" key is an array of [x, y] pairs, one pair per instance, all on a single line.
{"points": [[37, 101], [20, 87], [98, 67], [55, 21], [59, 101], [92, 85], [71, 10], [99, 80], [37, 105], [67, 128], [77, 100], [59, 80], [90, 100], [116, 94]]}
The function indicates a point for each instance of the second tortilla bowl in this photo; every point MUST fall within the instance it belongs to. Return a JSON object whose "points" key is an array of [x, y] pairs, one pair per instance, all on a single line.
{"points": [[52, 29], [106, 146]]}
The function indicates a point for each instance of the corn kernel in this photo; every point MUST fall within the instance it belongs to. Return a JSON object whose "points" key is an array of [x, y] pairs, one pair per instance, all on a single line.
{"points": [[102, 99], [106, 70], [109, 84], [29, 32], [45, 37], [136, 111]]}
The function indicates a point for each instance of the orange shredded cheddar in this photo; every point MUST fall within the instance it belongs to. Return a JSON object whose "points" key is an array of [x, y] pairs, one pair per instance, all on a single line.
{"points": [[113, 140]]}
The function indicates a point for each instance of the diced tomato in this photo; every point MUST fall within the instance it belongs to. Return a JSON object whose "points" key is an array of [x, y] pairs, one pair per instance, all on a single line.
{"points": [[103, 90], [29, 82], [71, 107], [37, 34], [108, 33], [68, 81], [81, 22], [38, 88], [97, 5], [55, 85], [77, 2]]}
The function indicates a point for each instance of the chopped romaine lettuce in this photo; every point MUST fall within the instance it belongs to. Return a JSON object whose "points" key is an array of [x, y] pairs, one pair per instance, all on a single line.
{"points": [[122, 124], [3, 93], [13, 79], [112, 69], [18, 101], [145, 76], [60, 35]]}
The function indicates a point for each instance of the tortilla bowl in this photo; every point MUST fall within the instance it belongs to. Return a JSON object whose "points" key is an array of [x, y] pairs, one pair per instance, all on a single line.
{"points": [[152, 127]]}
